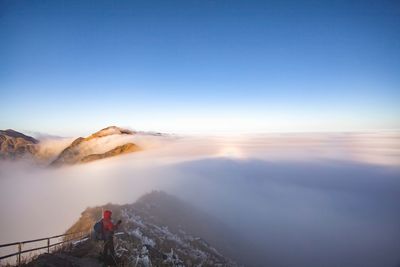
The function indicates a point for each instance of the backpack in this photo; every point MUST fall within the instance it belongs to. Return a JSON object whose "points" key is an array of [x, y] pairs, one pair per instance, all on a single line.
{"points": [[98, 230]]}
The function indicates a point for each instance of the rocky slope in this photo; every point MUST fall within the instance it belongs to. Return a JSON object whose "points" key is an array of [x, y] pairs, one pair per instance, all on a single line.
{"points": [[14, 145], [160, 230], [119, 150]]}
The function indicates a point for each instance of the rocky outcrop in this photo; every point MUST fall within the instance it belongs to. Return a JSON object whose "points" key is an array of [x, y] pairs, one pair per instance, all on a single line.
{"points": [[14, 145], [119, 150]]}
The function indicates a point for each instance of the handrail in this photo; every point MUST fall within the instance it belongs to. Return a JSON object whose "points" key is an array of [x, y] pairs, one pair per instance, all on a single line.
{"points": [[37, 240], [48, 246]]}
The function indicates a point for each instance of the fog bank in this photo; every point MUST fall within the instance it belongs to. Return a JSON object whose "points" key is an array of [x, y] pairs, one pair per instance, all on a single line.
{"points": [[300, 199]]}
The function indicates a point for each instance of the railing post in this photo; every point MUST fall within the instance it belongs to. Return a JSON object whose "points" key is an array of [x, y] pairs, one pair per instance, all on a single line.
{"points": [[19, 254], [48, 245]]}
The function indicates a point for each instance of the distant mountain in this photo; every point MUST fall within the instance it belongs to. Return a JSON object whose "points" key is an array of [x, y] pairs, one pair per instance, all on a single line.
{"points": [[14, 145], [111, 130], [80, 150], [161, 230], [108, 142]]}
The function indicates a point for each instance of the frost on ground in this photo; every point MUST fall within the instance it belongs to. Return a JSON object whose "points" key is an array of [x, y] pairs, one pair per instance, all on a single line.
{"points": [[157, 230], [177, 249]]}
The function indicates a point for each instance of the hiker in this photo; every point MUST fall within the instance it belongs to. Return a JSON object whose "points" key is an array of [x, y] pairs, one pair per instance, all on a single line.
{"points": [[108, 231]]}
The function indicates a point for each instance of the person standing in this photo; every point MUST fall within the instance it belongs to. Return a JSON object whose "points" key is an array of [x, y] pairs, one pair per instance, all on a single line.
{"points": [[108, 230]]}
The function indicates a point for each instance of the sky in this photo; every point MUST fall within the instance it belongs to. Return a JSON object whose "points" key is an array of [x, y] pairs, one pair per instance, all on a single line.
{"points": [[206, 66]]}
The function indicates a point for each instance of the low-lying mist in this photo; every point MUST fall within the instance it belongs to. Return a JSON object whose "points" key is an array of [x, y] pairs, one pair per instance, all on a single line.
{"points": [[294, 199]]}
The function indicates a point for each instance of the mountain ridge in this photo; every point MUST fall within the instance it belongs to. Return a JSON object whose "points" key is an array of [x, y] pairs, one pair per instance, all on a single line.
{"points": [[72, 153], [15, 145], [119, 150], [147, 237]]}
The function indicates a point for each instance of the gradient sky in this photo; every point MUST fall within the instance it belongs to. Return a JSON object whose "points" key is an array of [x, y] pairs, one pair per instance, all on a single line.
{"points": [[72, 67]]}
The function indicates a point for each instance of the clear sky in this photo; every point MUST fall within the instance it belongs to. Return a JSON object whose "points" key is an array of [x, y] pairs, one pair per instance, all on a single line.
{"points": [[205, 66]]}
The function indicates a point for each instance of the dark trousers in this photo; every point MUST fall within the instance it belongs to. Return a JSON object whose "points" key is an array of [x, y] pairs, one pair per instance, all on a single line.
{"points": [[109, 247]]}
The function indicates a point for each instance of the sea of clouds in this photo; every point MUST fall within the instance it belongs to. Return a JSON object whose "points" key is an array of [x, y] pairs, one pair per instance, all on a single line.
{"points": [[322, 199]]}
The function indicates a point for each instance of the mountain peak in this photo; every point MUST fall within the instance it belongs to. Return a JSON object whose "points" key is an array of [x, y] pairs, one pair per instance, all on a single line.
{"points": [[111, 130], [15, 134], [74, 154]]}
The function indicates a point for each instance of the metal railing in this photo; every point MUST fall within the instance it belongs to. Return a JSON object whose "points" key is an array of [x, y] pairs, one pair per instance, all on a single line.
{"points": [[78, 236]]}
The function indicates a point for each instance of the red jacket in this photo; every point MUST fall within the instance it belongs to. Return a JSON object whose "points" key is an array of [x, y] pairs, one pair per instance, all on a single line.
{"points": [[108, 225]]}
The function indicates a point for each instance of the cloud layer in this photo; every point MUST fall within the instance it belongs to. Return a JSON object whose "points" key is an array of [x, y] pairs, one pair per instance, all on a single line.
{"points": [[300, 200]]}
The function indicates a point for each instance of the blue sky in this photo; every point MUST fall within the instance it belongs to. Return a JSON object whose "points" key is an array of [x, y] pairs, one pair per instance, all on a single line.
{"points": [[71, 67]]}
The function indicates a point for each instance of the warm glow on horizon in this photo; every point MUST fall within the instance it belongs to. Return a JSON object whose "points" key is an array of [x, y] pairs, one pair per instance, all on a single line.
{"points": [[231, 152]]}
